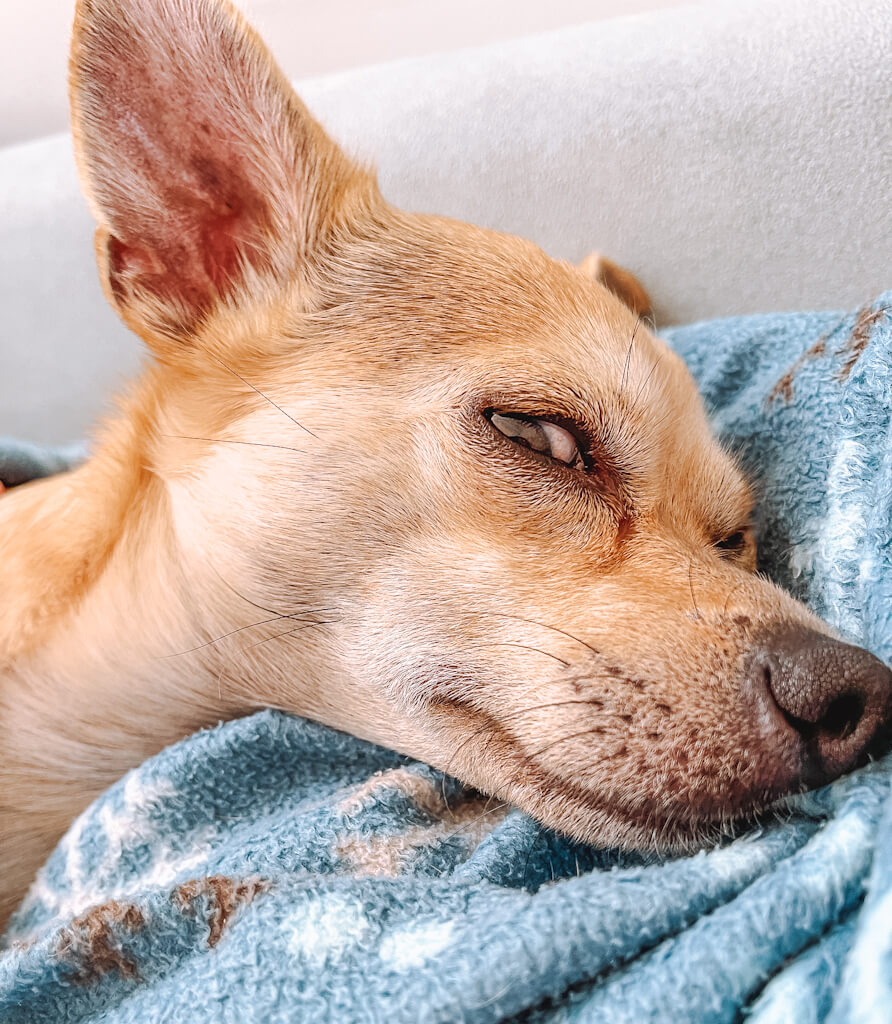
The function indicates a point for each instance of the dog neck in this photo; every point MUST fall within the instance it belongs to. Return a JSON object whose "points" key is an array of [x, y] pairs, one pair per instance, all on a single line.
{"points": [[82, 699], [103, 654], [117, 640]]}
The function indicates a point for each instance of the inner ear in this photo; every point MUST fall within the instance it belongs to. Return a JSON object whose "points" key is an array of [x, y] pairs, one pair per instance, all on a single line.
{"points": [[203, 168], [221, 232]]}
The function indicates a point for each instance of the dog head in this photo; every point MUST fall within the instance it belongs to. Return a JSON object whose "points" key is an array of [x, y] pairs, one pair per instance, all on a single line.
{"points": [[477, 500]]}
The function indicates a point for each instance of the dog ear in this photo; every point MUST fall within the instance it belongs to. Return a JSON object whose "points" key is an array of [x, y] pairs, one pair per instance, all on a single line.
{"points": [[624, 285], [207, 175]]}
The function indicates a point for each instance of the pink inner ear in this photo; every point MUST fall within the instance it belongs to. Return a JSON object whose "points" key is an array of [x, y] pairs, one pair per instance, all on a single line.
{"points": [[181, 124], [193, 254]]}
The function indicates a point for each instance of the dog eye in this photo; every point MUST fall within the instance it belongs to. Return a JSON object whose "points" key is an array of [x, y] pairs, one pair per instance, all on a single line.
{"points": [[735, 543], [539, 435]]}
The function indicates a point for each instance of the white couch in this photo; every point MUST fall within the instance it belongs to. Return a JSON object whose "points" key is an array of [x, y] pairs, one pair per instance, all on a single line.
{"points": [[738, 158]]}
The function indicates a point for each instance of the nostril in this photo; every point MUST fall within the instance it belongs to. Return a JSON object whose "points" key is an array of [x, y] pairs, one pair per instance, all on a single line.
{"points": [[841, 718], [838, 722]]}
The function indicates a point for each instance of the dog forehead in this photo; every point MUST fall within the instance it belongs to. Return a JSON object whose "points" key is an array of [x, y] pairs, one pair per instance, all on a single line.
{"points": [[430, 282], [548, 324], [432, 314]]}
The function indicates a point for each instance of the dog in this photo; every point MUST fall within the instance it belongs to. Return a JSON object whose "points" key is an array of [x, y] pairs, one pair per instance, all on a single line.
{"points": [[404, 476]]}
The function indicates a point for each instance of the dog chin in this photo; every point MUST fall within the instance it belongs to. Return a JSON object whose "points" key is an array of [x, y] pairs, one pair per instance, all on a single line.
{"points": [[656, 831]]}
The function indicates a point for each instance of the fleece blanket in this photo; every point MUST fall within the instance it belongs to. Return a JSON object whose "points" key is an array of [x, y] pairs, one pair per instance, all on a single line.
{"points": [[275, 870]]}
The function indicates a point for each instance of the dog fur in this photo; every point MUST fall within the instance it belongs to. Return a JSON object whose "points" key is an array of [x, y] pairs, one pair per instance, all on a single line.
{"points": [[302, 504]]}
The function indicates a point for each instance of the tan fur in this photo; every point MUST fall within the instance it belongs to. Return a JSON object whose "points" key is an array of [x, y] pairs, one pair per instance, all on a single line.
{"points": [[301, 505]]}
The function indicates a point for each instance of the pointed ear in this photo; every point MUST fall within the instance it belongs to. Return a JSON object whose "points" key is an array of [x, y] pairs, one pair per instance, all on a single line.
{"points": [[207, 175], [624, 285]]}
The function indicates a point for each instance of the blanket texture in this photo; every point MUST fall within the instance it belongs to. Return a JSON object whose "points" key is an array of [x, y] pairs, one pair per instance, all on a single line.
{"points": [[275, 870]]}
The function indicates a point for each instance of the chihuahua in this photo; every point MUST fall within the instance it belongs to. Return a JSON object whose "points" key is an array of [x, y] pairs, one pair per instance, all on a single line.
{"points": [[404, 476]]}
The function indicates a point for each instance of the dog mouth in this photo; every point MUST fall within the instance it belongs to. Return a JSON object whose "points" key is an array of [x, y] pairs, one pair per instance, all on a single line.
{"points": [[683, 819], [617, 766], [642, 825]]}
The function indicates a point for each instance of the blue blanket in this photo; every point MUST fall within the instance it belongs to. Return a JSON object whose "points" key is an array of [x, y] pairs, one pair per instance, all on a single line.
{"points": [[274, 870]]}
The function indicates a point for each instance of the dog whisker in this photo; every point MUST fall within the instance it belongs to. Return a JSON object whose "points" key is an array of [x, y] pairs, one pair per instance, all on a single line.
{"points": [[290, 632], [531, 758], [266, 398], [533, 844], [222, 440], [525, 647], [263, 608], [232, 632], [510, 717], [691, 584], [625, 376], [487, 810], [469, 824], [543, 625], [647, 379], [294, 616], [730, 594]]}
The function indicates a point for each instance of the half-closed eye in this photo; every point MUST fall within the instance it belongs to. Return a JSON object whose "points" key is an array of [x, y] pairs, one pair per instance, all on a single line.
{"points": [[539, 435], [739, 546]]}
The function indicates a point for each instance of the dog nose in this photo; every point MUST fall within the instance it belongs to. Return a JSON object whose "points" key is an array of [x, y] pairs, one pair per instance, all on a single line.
{"points": [[837, 697]]}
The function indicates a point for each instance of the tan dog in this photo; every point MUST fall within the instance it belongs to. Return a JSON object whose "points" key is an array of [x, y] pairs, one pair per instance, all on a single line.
{"points": [[401, 475]]}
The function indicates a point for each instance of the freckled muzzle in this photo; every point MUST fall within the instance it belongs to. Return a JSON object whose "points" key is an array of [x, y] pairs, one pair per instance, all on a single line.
{"points": [[833, 700]]}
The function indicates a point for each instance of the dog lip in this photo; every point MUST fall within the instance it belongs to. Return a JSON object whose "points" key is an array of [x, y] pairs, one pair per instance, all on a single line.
{"points": [[670, 830], [674, 827]]}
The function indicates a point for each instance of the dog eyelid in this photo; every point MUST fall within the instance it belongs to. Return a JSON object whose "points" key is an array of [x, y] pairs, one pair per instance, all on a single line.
{"points": [[539, 435]]}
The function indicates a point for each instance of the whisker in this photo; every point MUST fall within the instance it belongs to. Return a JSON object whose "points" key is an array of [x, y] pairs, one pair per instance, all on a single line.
{"points": [[525, 647], [221, 440], [260, 607], [274, 616], [647, 378], [730, 594], [555, 743], [487, 810], [625, 376], [526, 863], [266, 398], [289, 632], [495, 997], [535, 622], [473, 821], [510, 717], [691, 585], [489, 726], [232, 632]]}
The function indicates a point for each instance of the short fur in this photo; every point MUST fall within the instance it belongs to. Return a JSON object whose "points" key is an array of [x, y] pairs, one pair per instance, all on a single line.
{"points": [[301, 504]]}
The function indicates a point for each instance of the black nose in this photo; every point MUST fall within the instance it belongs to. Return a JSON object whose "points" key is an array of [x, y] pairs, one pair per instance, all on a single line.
{"points": [[838, 698]]}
